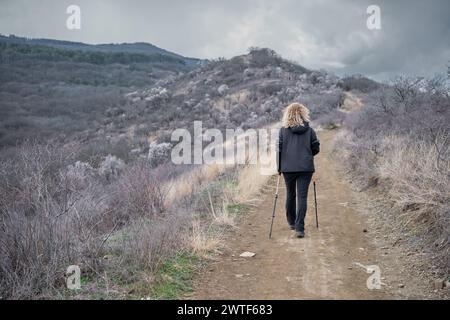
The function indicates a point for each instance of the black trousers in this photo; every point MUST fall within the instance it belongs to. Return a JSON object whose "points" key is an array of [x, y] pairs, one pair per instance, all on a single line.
{"points": [[297, 184]]}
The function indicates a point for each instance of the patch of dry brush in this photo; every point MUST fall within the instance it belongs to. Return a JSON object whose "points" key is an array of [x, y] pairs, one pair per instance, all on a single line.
{"points": [[119, 222], [399, 145]]}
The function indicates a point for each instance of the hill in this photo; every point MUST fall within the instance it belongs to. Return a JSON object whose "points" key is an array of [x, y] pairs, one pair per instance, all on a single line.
{"points": [[124, 99], [247, 91], [138, 47], [50, 87]]}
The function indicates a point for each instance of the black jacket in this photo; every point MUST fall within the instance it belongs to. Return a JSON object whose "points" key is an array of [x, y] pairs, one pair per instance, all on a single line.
{"points": [[297, 147]]}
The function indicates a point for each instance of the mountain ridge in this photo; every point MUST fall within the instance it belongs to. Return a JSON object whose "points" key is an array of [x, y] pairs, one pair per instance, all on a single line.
{"points": [[134, 47]]}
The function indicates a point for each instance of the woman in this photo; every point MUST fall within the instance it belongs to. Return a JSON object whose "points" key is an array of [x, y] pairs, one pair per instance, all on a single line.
{"points": [[297, 146]]}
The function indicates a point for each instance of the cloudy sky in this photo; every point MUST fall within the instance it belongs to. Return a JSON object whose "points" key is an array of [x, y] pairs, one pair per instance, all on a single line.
{"points": [[414, 37]]}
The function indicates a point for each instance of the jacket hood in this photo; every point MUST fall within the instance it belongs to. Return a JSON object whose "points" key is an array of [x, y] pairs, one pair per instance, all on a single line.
{"points": [[300, 129]]}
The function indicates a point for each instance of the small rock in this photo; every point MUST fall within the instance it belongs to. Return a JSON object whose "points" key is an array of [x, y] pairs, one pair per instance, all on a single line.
{"points": [[401, 285], [364, 230], [238, 275], [350, 268], [247, 254]]}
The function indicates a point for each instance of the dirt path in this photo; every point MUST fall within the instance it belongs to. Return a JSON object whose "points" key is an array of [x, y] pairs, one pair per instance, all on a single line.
{"points": [[320, 266]]}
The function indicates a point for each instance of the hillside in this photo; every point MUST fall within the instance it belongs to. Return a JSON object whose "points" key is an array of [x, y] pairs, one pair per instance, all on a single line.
{"points": [[247, 91], [138, 47], [47, 90], [122, 100]]}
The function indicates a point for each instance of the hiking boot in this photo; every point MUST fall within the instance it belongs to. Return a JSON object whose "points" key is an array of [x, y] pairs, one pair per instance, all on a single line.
{"points": [[291, 226], [300, 234]]}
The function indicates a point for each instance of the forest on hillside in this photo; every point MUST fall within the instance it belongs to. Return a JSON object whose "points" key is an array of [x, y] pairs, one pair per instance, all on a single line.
{"points": [[46, 90]]}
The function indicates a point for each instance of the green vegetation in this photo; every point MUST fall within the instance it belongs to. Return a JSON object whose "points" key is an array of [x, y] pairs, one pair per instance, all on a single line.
{"points": [[10, 52], [236, 208], [175, 276]]}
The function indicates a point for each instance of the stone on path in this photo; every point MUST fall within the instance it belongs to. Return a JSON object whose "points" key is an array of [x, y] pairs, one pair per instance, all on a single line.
{"points": [[247, 254]]}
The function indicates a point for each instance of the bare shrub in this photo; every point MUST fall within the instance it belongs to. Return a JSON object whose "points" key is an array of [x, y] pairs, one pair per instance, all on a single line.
{"points": [[139, 193], [330, 120], [111, 167], [80, 173], [38, 211], [55, 212], [146, 243], [159, 153], [399, 144]]}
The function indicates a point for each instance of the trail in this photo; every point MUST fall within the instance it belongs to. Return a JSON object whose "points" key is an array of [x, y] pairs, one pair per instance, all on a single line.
{"points": [[319, 266]]}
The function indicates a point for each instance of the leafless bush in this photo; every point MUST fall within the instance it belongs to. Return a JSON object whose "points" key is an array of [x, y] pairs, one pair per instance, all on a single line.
{"points": [[55, 212], [80, 174], [111, 167], [138, 193], [146, 243], [400, 144], [330, 120], [159, 153], [38, 212]]}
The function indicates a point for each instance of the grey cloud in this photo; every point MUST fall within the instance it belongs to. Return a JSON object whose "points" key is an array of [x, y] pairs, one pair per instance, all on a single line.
{"points": [[329, 34]]}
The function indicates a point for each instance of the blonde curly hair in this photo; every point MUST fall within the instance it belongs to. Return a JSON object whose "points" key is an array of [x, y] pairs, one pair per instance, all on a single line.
{"points": [[295, 114]]}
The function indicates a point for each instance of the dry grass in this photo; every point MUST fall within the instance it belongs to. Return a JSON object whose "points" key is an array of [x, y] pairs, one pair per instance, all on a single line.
{"points": [[419, 186], [201, 240], [191, 181], [398, 146], [223, 217], [413, 183], [250, 182]]}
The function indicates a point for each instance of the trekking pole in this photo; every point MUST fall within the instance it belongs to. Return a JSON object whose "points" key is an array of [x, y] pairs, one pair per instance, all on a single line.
{"points": [[315, 204], [274, 206]]}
